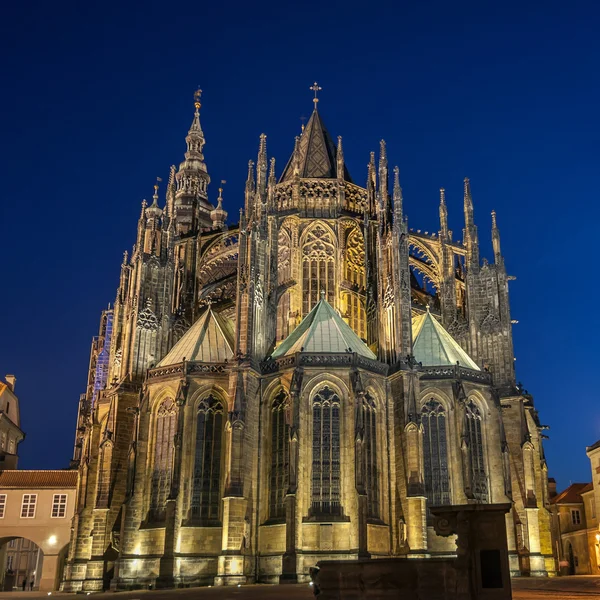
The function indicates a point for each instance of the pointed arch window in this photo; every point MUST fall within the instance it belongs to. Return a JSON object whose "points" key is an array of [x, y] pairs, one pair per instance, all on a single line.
{"points": [[280, 457], [435, 453], [473, 434], [206, 485], [318, 268], [326, 454], [104, 472], [164, 448], [370, 447]]}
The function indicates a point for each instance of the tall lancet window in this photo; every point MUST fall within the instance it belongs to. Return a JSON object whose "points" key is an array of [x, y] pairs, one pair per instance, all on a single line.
{"points": [[355, 277], [280, 457], [164, 447], [318, 268], [206, 484], [435, 453], [326, 453], [479, 483], [370, 449]]}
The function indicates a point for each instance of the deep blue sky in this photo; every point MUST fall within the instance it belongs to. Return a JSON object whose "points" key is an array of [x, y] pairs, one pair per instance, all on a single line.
{"points": [[97, 98]]}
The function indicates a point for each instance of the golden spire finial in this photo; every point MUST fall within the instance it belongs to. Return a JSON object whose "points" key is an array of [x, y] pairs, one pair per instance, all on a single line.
{"points": [[316, 89], [197, 95]]}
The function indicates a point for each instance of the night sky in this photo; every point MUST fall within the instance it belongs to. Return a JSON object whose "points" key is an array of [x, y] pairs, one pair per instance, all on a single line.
{"points": [[97, 99]]}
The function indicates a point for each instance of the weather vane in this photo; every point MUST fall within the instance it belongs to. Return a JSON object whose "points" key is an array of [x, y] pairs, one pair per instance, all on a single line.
{"points": [[316, 89], [197, 95]]}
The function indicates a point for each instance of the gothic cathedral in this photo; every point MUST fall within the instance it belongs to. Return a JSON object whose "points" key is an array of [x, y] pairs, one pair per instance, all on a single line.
{"points": [[301, 385]]}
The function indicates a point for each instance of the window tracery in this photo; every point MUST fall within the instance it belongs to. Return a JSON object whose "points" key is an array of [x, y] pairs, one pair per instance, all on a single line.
{"points": [[326, 498], [162, 469], [474, 437], [280, 456], [318, 268], [355, 278], [206, 483], [435, 453]]}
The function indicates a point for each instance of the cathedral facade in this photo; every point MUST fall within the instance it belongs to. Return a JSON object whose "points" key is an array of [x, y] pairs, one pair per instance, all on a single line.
{"points": [[300, 386]]}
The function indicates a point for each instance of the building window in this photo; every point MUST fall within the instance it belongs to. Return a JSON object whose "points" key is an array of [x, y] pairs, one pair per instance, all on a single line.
{"points": [[326, 453], [28, 506], [473, 434], [59, 506], [280, 457], [370, 448], [318, 268], [162, 470], [575, 517], [435, 453], [2, 505], [206, 490]]}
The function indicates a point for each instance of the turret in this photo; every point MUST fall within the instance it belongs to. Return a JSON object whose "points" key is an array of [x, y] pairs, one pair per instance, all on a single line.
{"points": [[398, 209], [192, 179], [371, 185], [384, 204], [250, 189], [218, 216], [340, 159]]}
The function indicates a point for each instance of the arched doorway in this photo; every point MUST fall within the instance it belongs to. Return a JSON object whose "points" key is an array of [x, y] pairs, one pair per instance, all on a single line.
{"points": [[571, 558], [21, 563]]}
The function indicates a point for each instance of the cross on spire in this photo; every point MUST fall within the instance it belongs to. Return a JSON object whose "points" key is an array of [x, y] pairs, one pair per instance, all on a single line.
{"points": [[316, 88]]}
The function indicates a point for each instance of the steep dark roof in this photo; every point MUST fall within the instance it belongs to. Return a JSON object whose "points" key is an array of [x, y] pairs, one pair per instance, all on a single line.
{"points": [[318, 153], [572, 495], [593, 446]]}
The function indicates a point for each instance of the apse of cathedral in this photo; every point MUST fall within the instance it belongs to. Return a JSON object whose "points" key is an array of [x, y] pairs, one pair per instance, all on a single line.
{"points": [[301, 385]]}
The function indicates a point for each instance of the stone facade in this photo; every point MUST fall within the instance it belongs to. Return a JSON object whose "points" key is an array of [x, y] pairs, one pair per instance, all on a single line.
{"points": [[264, 407]]}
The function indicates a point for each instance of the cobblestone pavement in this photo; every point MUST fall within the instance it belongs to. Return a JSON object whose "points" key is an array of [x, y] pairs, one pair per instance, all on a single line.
{"points": [[558, 588]]}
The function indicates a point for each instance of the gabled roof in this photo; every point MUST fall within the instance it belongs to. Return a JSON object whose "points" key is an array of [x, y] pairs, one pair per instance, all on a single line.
{"points": [[209, 339], [572, 495], [38, 479], [433, 346], [318, 153], [323, 330]]}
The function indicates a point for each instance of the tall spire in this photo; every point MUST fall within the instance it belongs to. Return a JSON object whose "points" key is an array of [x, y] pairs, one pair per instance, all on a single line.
{"points": [[372, 184], [250, 189], [496, 240], [261, 165], [443, 215], [384, 203], [470, 238]]}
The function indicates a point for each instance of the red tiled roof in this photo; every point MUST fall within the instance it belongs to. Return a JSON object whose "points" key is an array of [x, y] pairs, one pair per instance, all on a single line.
{"points": [[38, 479], [572, 495]]}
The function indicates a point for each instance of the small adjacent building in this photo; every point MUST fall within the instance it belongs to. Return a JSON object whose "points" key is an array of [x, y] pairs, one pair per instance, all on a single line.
{"points": [[10, 423], [36, 510]]}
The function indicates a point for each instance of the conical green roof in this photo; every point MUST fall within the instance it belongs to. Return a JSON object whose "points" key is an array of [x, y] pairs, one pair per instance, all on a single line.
{"points": [[322, 331], [433, 346], [209, 339]]}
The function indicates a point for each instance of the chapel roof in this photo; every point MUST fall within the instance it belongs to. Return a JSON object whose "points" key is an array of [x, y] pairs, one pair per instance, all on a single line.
{"points": [[38, 479], [317, 153], [433, 346], [323, 331], [209, 339]]}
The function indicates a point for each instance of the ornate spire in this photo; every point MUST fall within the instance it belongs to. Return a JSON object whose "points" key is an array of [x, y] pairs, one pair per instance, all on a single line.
{"points": [[261, 164], [398, 212], [296, 157], [371, 184], [250, 189], [496, 240], [384, 204], [272, 180], [340, 158], [218, 216], [443, 215], [470, 238]]}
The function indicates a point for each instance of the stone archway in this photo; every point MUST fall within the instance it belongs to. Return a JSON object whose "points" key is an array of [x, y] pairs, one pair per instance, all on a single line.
{"points": [[21, 564]]}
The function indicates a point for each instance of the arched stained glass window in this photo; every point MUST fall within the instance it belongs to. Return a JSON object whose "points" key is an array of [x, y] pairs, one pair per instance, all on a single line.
{"points": [[162, 469], [280, 457], [326, 453], [206, 484], [435, 453], [370, 447], [318, 268], [476, 456]]}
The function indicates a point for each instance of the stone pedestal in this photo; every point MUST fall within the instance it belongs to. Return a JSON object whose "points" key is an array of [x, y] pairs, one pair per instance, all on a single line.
{"points": [[482, 565]]}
